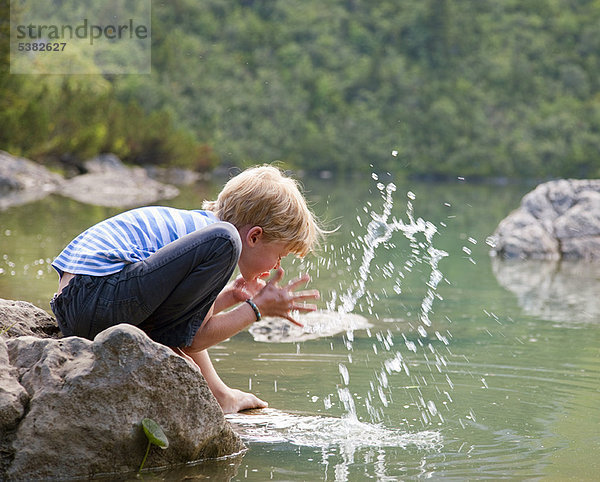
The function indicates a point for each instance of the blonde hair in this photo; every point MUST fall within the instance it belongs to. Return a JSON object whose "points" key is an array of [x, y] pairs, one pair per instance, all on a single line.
{"points": [[263, 196]]}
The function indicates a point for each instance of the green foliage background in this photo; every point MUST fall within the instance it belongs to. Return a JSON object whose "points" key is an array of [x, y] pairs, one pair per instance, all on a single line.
{"points": [[479, 88]]}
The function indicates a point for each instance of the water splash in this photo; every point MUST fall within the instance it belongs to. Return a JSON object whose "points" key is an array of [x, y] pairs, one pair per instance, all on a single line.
{"points": [[343, 442], [271, 425], [379, 232]]}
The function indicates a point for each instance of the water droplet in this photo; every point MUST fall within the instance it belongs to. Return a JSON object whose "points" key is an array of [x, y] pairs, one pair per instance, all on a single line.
{"points": [[491, 241], [382, 396], [432, 408], [344, 373]]}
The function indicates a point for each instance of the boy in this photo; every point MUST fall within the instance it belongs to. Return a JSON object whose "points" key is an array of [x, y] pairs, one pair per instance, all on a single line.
{"points": [[166, 270]]}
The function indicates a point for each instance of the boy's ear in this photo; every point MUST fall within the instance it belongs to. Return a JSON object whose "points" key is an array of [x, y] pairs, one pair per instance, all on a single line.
{"points": [[254, 234]]}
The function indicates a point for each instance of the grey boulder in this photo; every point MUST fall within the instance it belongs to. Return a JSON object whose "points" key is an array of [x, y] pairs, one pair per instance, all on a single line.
{"points": [[71, 407], [557, 220]]}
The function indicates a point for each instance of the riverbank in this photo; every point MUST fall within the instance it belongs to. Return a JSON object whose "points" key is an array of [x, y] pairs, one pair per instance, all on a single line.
{"points": [[105, 181]]}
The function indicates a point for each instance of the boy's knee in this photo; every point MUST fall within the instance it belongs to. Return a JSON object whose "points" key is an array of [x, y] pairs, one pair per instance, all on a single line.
{"points": [[231, 238]]}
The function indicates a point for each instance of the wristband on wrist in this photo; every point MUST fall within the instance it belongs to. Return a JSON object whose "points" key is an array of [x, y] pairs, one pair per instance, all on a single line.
{"points": [[254, 308]]}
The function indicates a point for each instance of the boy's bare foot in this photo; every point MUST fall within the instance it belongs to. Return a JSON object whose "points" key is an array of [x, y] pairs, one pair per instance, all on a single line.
{"points": [[234, 400], [231, 400]]}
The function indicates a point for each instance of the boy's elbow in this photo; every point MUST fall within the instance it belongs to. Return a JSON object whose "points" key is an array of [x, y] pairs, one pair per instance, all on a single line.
{"points": [[198, 343]]}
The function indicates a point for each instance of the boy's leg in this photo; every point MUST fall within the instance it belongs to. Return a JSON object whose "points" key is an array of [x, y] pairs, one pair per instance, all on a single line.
{"points": [[168, 294], [230, 399]]}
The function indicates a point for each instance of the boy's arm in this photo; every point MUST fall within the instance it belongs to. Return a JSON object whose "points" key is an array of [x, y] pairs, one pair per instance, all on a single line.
{"points": [[237, 291], [224, 300], [219, 327], [230, 399], [272, 300]]}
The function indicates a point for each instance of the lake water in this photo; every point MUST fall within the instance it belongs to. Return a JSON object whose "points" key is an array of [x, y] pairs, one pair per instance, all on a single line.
{"points": [[428, 358]]}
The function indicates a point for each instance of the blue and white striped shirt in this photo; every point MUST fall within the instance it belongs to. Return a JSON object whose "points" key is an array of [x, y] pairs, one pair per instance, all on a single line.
{"points": [[110, 245]]}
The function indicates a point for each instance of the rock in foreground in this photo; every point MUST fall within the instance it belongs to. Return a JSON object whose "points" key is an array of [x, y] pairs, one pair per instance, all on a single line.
{"points": [[557, 220], [21, 318], [73, 408]]}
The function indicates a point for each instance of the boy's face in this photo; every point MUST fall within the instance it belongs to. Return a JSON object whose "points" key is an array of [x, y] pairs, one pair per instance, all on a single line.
{"points": [[258, 256]]}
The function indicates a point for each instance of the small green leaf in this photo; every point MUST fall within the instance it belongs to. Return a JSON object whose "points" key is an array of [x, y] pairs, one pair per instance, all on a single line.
{"points": [[7, 328], [155, 433]]}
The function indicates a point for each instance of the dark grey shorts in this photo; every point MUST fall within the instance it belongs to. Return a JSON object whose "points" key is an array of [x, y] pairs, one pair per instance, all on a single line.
{"points": [[167, 295]]}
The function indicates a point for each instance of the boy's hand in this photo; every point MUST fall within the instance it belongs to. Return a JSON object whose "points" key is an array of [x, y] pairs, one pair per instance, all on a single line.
{"points": [[242, 289], [275, 300]]}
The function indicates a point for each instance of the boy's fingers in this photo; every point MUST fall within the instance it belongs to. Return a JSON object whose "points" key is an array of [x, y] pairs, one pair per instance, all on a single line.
{"points": [[291, 320], [277, 276], [305, 307], [307, 294], [298, 281]]}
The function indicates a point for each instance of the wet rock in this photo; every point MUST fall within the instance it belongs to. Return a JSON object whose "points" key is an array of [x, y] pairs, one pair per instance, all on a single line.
{"points": [[317, 324], [20, 318], [557, 220], [23, 181], [85, 401]]}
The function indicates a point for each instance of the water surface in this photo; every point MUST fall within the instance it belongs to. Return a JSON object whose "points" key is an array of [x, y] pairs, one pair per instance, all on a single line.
{"points": [[437, 360]]}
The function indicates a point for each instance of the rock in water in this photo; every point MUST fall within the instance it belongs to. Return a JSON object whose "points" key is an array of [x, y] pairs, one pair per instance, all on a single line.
{"points": [[85, 402], [23, 181], [557, 220], [108, 182], [126, 187]]}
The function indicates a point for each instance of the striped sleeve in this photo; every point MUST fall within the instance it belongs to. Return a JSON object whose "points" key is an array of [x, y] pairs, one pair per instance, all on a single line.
{"points": [[132, 236]]}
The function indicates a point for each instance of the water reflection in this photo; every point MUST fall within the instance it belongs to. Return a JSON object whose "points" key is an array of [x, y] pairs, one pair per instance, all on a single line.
{"points": [[343, 442], [518, 394], [317, 324], [560, 291]]}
